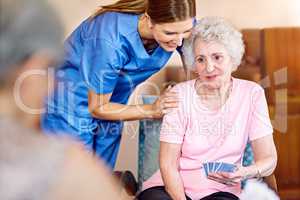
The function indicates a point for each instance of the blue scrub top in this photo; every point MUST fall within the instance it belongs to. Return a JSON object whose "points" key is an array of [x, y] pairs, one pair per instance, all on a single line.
{"points": [[106, 55]]}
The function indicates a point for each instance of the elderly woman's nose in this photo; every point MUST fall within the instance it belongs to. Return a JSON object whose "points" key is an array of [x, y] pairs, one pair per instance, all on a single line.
{"points": [[209, 66]]}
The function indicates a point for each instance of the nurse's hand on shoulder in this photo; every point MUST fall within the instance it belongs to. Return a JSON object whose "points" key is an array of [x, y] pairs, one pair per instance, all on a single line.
{"points": [[167, 102]]}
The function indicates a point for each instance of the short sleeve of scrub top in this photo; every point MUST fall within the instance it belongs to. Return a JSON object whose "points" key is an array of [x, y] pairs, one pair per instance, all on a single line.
{"points": [[101, 63]]}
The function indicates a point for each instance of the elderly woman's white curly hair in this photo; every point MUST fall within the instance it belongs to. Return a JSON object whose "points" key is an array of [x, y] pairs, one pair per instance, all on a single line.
{"points": [[215, 29]]}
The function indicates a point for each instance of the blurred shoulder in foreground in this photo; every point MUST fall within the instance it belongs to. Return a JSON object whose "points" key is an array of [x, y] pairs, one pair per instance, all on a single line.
{"points": [[32, 165], [36, 167]]}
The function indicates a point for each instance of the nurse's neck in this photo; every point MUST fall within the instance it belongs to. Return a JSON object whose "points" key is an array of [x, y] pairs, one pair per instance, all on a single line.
{"points": [[144, 29]]}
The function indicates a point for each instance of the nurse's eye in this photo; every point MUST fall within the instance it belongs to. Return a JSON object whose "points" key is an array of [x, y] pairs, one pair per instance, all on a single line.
{"points": [[188, 32], [169, 33]]}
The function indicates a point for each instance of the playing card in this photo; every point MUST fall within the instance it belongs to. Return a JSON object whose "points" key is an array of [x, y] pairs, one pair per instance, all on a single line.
{"points": [[226, 167], [217, 166], [211, 167], [205, 166]]}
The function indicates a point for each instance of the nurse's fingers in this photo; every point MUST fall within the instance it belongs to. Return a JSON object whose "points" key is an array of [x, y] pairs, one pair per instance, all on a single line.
{"points": [[171, 93], [170, 99], [170, 105], [169, 110], [169, 96]]}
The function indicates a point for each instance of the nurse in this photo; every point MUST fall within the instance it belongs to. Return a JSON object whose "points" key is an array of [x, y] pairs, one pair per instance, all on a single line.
{"points": [[106, 57]]}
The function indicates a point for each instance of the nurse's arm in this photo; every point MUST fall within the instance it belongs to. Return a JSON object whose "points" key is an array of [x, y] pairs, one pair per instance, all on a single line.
{"points": [[169, 166], [100, 107]]}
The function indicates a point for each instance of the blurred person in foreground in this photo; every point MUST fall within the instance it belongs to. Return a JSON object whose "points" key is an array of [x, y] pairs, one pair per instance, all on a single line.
{"points": [[33, 166]]}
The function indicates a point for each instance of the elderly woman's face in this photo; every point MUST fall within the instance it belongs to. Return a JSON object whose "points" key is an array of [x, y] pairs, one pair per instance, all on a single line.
{"points": [[213, 63]]}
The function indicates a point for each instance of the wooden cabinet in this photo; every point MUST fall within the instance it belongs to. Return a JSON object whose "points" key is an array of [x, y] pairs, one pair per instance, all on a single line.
{"points": [[287, 172], [281, 68]]}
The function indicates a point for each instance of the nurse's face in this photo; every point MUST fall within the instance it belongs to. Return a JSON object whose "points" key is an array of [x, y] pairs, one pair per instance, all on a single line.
{"points": [[170, 35]]}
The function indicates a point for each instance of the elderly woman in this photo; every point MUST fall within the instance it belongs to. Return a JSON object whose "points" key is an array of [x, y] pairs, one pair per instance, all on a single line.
{"points": [[217, 115]]}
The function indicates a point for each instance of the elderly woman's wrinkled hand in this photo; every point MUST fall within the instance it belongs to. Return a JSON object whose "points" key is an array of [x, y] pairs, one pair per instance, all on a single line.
{"points": [[229, 178]]}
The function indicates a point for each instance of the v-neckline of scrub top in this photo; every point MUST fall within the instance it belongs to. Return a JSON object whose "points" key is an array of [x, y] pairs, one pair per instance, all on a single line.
{"points": [[140, 41]]}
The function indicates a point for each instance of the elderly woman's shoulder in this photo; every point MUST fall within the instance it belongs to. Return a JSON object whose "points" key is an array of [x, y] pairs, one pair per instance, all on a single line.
{"points": [[184, 86], [247, 85]]}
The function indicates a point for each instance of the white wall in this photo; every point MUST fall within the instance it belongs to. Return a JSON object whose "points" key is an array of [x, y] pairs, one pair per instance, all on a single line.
{"points": [[242, 13], [74, 11], [253, 13]]}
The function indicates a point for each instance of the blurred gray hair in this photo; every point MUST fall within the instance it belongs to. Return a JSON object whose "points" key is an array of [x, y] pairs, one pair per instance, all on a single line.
{"points": [[26, 27], [215, 29]]}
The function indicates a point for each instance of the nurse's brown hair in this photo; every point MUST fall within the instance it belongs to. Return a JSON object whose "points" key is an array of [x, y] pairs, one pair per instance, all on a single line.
{"points": [[160, 11]]}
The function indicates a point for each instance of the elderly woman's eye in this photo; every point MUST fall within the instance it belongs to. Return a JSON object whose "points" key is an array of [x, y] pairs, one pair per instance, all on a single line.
{"points": [[218, 57], [200, 60]]}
